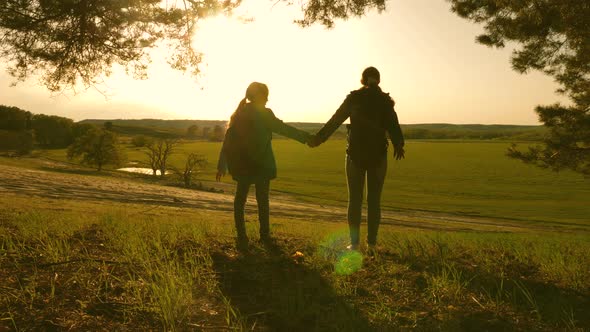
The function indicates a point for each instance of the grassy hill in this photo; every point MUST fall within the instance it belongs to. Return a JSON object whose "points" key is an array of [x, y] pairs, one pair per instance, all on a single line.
{"points": [[157, 123], [156, 128], [470, 240], [91, 264], [465, 177], [178, 128]]}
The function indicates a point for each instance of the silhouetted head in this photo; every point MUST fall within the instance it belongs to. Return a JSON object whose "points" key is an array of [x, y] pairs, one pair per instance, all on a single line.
{"points": [[257, 93], [370, 77]]}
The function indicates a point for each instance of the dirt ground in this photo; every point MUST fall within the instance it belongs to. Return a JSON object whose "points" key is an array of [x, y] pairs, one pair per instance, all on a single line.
{"points": [[60, 182]]}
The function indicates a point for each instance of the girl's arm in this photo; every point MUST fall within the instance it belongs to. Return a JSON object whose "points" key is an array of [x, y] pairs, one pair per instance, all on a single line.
{"points": [[281, 128], [222, 162]]}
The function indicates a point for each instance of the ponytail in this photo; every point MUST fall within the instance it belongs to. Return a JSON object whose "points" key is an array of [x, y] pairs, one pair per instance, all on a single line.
{"points": [[254, 91], [237, 111]]}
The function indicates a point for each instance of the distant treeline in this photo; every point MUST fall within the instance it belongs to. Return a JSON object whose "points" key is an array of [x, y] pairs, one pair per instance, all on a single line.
{"points": [[205, 129], [21, 130], [213, 130], [473, 131]]}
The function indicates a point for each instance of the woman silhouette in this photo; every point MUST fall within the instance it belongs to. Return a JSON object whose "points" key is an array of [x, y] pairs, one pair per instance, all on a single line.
{"points": [[372, 117]]}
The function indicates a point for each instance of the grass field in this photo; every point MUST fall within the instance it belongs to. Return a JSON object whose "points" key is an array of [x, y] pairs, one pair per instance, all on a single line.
{"points": [[73, 265], [461, 177], [95, 264]]}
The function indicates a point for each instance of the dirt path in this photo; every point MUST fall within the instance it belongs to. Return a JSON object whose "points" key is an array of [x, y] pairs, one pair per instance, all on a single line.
{"points": [[62, 183]]}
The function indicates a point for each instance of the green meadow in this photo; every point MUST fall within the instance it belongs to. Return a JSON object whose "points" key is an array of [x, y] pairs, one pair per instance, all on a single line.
{"points": [[102, 264], [472, 178], [95, 265], [467, 178]]}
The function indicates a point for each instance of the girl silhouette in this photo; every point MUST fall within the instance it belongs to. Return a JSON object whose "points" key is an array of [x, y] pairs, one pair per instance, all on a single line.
{"points": [[247, 154]]}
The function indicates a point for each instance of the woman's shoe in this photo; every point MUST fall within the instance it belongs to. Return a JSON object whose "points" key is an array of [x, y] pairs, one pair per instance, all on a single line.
{"points": [[372, 250], [353, 247], [242, 243]]}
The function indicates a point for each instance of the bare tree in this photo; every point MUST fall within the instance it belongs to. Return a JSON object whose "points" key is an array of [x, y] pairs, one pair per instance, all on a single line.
{"points": [[167, 149], [153, 155], [194, 162], [158, 153]]}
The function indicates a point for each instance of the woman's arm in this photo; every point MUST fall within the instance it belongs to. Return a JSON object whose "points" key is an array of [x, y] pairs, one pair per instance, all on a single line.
{"points": [[342, 113], [395, 133], [222, 162]]}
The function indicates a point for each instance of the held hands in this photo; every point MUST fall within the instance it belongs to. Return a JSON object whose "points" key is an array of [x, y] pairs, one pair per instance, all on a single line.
{"points": [[313, 141]]}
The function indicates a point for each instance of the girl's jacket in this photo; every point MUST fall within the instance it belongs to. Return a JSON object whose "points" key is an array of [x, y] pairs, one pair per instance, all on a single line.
{"points": [[247, 149]]}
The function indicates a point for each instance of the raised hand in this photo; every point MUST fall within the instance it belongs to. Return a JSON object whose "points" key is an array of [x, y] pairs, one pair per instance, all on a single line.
{"points": [[219, 175], [399, 152]]}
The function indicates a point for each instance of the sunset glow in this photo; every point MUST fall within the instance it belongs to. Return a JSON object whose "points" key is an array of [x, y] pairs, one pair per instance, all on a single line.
{"points": [[427, 56]]}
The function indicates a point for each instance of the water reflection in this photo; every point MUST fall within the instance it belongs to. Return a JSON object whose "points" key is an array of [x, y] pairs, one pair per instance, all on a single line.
{"points": [[140, 170]]}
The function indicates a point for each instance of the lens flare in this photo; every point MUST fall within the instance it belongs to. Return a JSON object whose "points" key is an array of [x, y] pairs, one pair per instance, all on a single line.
{"points": [[348, 262], [333, 248], [333, 245]]}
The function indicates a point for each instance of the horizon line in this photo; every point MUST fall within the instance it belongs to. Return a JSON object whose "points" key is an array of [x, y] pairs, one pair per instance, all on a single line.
{"points": [[304, 122]]}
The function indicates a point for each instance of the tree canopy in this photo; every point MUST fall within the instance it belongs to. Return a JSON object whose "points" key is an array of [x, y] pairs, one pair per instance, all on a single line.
{"points": [[49, 131], [552, 36], [14, 118], [78, 41], [97, 147], [325, 12], [71, 41]]}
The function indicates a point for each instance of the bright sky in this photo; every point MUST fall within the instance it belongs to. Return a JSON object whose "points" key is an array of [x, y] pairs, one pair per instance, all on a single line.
{"points": [[429, 63]]}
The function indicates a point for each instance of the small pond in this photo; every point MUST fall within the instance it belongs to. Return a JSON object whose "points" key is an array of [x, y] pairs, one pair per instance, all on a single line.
{"points": [[140, 170]]}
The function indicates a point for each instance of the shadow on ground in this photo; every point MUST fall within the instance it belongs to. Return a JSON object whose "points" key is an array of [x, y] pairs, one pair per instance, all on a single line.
{"points": [[272, 292]]}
